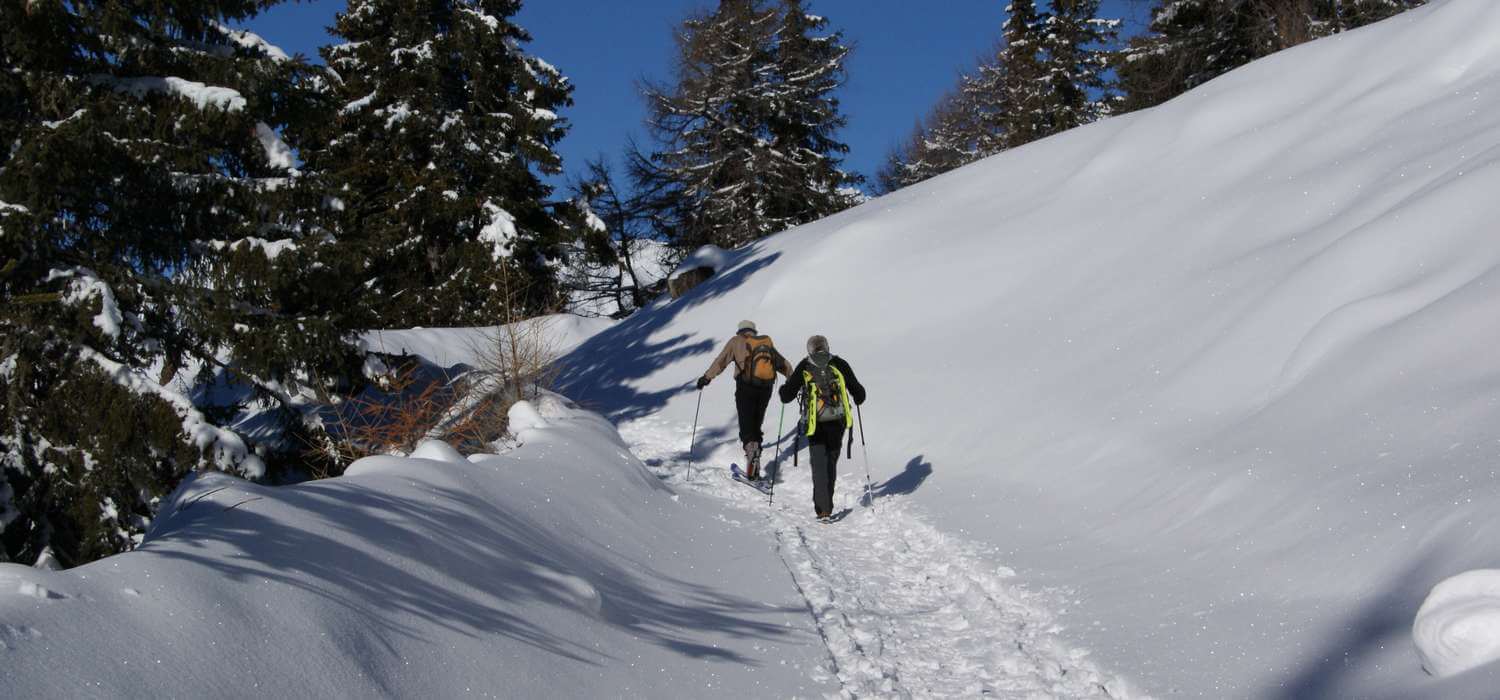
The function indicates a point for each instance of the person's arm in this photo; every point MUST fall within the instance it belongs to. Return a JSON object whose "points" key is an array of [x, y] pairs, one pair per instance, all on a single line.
{"points": [[793, 384], [785, 368], [856, 390], [725, 357]]}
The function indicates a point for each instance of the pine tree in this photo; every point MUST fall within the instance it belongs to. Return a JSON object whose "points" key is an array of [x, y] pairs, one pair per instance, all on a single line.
{"points": [[147, 299], [1077, 45], [746, 132], [1190, 42], [1024, 82], [441, 126]]}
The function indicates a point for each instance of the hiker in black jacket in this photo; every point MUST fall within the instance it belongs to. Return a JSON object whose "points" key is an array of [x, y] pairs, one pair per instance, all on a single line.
{"points": [[827, 386]]}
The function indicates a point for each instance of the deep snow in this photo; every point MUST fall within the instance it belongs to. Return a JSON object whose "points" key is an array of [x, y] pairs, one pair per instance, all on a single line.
{"points": [[1208, 391], [1224, 369], [562, 568]]}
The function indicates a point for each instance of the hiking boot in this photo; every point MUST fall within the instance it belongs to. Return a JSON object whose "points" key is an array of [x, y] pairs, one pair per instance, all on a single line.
{"points": [[752, 460]]}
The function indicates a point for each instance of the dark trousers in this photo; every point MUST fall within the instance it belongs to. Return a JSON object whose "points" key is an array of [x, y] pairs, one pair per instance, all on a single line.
{"points": [[823, 454], [751, 401]]}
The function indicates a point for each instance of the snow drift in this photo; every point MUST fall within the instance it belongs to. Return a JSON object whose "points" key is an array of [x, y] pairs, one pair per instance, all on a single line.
{"points": [[562, 568], [1224, 368]]}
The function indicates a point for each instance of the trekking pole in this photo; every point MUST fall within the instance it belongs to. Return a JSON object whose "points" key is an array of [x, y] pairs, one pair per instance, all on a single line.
{"points": [[869, 490], [694, 437], [776, 464]]}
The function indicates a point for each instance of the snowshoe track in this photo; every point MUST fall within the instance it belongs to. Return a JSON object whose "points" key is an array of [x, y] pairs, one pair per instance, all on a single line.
{"points": [[903, 610]]}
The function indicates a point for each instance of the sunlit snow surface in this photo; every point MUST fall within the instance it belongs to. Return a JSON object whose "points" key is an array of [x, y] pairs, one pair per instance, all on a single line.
{"points": [[1224, 369]]}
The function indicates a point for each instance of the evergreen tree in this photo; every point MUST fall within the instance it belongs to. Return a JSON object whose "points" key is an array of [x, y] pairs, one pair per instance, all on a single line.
{"points": [[145, 218], [441, 125], [1077, 45], [1022, 116], [1190, 42], [746, 132]]}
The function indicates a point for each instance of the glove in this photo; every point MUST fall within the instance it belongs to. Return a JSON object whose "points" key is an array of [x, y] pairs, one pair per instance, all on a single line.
{"points": [[702, 382], [785, 397]]}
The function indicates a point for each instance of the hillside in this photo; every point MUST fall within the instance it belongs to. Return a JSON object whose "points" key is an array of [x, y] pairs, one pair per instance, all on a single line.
{"points": [[1223, 370]]}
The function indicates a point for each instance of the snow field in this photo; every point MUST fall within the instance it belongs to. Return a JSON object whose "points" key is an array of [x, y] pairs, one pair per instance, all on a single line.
{"points": [[902, 609]]}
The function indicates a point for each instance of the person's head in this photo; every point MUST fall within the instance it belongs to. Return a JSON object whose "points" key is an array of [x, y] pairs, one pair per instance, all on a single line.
{"points": [[746, 328], [817, 350]]}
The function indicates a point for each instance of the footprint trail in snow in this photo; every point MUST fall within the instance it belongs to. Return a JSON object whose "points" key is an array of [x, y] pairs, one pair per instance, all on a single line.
{"points": [[903, 610]]}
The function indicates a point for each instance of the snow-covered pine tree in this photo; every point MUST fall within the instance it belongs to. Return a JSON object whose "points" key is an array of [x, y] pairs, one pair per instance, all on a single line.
{"points": [[804, 120], [746, 131], [148, 298], [1077, 45], [441, 127], [1025, 84]]}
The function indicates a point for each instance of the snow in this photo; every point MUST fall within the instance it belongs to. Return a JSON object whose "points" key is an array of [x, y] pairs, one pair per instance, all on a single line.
{"points": [[224, 448], [278, 154], [1458, 626], [1221, 371], [1194, 401], [710, 256], [562, 568], [254, 42], [200, 94], [86, 285], [500, 232], [451, 347], [272, 249], [358, 104]]}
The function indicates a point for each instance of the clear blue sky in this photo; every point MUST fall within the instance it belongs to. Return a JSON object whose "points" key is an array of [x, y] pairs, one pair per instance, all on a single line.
{"points": [[906, 53]]}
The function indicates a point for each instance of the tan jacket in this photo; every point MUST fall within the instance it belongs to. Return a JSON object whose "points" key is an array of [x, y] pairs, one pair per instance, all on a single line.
{"points": [[738, 351]]}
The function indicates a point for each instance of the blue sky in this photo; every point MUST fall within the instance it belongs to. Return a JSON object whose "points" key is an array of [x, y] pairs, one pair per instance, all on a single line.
{"points": [[906, 53]]}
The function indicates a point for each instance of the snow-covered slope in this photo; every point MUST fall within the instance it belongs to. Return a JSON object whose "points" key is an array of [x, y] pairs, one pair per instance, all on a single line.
{"points": [[561, 569], [1224, 369]]}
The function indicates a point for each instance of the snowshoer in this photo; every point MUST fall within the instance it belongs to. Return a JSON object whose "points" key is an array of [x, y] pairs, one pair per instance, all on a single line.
{"points": [[756, 364], [827, 385]]}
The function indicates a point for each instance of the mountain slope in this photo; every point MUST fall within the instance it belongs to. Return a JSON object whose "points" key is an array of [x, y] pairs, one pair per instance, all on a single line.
{"points": [[1223, 368]]}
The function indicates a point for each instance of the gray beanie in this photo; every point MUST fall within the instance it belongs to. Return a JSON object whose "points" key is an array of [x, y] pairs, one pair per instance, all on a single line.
{"points": [[746, 326], [817, 349]]}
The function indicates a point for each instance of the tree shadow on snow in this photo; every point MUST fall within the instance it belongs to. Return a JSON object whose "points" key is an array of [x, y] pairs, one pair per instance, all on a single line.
{"points": [[488, 568], [598, 373], [1385, 619]]}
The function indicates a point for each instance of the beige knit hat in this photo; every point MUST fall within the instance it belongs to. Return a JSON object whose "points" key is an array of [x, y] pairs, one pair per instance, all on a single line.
{"points": [[746, 326]]}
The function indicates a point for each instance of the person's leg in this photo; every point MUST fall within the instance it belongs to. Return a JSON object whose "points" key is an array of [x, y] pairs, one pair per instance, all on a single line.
{"points": [[835, 435], [823, 454], [751, 402]]}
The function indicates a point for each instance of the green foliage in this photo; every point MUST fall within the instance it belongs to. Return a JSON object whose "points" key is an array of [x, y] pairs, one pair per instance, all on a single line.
{"points": [[435, 128], [144, 195], [1191, 42], [746, 143]]}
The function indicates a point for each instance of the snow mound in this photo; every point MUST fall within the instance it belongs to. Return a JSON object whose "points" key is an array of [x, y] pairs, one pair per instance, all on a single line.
{"points": [[710, 256], [1458, 626], [562, 568]]}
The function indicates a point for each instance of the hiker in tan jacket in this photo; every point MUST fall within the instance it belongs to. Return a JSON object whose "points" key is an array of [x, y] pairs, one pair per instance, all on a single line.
{"points": [[756, 363]]}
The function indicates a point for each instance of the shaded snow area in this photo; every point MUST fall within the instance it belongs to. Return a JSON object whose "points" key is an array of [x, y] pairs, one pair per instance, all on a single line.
{"points": [[563, 568], [1224, 369]]}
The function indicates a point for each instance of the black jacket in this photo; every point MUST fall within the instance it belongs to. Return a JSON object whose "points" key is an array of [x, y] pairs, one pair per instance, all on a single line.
{"points": [[794, 383]]}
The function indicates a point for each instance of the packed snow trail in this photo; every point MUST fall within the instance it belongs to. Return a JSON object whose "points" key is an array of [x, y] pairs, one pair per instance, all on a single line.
{"points": [[903, 610]]}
